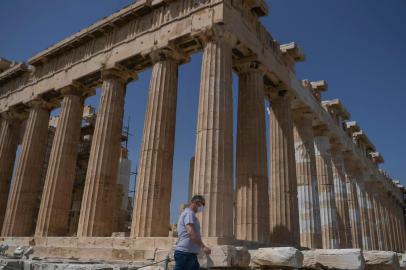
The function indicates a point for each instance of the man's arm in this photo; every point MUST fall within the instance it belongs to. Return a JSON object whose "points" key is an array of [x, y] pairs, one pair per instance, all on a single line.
{"points": [[193, 236]]}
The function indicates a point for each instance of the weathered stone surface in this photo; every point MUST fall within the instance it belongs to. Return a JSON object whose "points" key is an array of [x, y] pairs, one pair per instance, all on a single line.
{"points": [[346, 259], [381, 260], [283, 257], [402, 261], [252, 201], [225, 256]]}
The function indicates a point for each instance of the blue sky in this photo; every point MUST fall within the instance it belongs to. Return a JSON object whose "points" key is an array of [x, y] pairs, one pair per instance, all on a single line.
{"points": [[357, 46]]}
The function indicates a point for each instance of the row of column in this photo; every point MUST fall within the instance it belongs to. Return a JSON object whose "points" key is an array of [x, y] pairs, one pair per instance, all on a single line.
{"points": [[314, 197]]}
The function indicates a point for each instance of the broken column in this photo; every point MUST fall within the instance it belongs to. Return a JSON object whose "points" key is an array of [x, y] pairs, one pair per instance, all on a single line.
{"points": [[252, 201], [284, 218], [308, 196], [154, 181], [53, 217], [19, 218], [102, 171], [213, 175], [328, 210]]}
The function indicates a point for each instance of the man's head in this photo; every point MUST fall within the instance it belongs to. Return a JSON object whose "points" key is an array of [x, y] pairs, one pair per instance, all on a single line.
{"points": [[197, 203]]}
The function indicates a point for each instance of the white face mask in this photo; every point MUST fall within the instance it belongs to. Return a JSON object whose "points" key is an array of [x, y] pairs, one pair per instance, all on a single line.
{"points": [[200, 209]]}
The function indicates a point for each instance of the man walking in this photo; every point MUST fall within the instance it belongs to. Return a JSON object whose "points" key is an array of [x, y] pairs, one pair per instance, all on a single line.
{"points": [[190, 242]]}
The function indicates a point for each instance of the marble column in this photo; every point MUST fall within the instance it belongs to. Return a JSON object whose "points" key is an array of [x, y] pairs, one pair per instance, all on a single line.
{"points": [[96, 214], [382, 213], [372, 219], [362, 201], [354, 211], [284, 218], [19, 218], [9, 134], [328, 210], [341, 199], [154, 181], [388, 226], [378, 218], [213, 175], [308, 196], [53, 217], [252, 201]]}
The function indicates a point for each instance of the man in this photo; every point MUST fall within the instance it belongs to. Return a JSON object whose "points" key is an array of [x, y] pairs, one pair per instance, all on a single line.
{"points": [[190, 243]]}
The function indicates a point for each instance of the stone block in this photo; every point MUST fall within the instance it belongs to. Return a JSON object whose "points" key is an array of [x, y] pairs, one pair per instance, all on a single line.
{"points": [[281, 257], [402, 261], [345, 259], [381, 260], [225, 256]]}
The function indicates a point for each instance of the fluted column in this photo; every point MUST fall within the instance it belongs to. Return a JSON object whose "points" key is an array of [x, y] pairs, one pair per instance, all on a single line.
{"points": [[382, 213], [307, 188], [9, 133], [375, 192], [362, 200], [53, 217], [371, 216], [389, 228], [284, 218], [19, 218], [341, 199], [213, 175], [328, 210], [353, 209], [96, 218], [252, 201], [154, 181]]}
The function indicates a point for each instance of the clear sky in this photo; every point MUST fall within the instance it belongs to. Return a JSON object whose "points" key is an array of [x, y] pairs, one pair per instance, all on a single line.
{"points": [[357, 46]]}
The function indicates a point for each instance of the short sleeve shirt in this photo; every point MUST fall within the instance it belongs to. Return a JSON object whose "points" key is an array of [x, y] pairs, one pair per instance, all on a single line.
{"points": [[185, 244]]}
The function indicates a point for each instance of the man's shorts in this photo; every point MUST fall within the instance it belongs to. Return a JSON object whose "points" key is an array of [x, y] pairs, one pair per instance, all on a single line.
{"points": [[186, 261]]}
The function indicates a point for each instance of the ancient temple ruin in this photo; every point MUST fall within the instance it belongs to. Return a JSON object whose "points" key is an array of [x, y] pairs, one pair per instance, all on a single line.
{"points": [[324, 191]]}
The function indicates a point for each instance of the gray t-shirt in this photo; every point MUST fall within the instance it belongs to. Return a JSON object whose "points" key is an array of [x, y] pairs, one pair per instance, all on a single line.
{"points": [[185, 244]]}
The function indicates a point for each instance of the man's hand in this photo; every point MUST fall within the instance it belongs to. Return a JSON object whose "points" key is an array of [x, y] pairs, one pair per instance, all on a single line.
{"points": [[206, 250]]}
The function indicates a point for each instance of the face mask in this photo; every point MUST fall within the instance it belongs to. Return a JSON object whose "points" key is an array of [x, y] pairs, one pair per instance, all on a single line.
{"points": [[200, 209]]}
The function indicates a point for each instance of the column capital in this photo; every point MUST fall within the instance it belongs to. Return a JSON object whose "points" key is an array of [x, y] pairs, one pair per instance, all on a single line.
{"points": [[217, 33], [14, 115], [321, 130], [39, 102], [168, 53], [76, 89], [119, 72], [249, 65]]}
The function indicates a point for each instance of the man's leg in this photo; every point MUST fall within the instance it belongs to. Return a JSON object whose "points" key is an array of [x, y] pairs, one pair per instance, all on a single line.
{"points": [[184, 261], [195, 263]]}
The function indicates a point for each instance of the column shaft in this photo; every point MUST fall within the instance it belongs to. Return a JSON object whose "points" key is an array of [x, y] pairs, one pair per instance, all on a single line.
{"points": [[372, 220], [252, 201], [213, 176], [53, 217], [341, 200], [308, 197], [382, 213], [154, 183], [366, 234], [9, 133], [283, 184], [328, 210], [378, 219], [354, 212], [19, 218], [96, 217]]}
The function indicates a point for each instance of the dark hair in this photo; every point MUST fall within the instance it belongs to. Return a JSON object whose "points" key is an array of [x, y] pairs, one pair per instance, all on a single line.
{"points": [[198, 198]]}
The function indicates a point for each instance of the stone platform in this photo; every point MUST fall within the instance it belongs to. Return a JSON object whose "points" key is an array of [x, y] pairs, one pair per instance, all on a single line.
{"points": [[74, 253]]}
